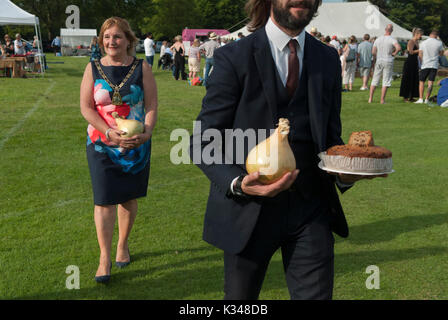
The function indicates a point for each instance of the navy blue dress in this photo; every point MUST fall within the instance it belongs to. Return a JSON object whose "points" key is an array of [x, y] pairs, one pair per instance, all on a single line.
{"points": [[117, 175]]}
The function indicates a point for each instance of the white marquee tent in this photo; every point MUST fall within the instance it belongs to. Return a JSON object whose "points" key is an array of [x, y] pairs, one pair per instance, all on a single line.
{"points": [[72, 38], [345, 19], [354, 18], [11, 14]]}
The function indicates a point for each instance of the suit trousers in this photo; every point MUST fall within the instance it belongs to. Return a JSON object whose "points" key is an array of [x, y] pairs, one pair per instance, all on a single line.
{"points": [[301, 229]]}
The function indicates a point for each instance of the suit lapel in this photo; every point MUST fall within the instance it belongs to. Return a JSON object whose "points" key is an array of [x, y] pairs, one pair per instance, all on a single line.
{"points": [[267, 70], [314, 61]]}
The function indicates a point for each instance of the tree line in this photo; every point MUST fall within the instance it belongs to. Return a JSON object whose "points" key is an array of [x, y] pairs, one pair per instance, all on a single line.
{"points": [[167, 18], [164, 18]]}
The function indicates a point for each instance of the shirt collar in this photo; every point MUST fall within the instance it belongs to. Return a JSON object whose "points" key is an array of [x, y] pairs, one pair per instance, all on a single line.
{"points": [[280, 39]]}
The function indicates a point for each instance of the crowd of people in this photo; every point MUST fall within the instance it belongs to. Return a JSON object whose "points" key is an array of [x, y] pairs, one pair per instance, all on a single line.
{"points": [[174, 56], [374, 58]]}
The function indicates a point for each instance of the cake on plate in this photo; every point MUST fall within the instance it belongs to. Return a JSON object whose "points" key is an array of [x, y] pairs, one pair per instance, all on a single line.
{"points": [[360, 155]]}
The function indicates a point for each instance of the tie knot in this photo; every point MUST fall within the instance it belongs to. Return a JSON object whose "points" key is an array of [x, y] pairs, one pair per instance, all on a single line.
{"points": [[293, 45]]}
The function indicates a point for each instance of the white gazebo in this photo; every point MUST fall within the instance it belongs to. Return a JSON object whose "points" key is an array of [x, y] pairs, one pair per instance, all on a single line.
{"points": [[72, 38], [10, 14]]}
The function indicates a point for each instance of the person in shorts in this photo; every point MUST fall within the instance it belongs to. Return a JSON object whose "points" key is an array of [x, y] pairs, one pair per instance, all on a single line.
{"points": [[385, 48], [430, 50], [365, 60]]}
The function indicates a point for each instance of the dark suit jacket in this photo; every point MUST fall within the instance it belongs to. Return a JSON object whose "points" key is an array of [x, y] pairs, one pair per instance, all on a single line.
{"points": [[240, 94]]}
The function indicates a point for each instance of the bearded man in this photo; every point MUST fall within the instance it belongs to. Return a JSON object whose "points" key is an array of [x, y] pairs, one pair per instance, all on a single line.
{"points": [[279, 71]]}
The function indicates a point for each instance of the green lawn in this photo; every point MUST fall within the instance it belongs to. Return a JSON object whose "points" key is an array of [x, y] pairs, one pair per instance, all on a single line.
{"points": [[399, 224]]}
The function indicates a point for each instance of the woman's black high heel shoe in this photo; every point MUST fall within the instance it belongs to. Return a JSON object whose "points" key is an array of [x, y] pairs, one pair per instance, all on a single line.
{"points": [[105, 278], [123, 264]]}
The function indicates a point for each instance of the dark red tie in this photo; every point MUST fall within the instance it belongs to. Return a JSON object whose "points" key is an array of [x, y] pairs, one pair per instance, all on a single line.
{"points": [[293, 68]]}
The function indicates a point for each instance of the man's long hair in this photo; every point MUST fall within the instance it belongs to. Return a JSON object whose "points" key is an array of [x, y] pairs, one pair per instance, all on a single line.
{"points": [[260, 10]]}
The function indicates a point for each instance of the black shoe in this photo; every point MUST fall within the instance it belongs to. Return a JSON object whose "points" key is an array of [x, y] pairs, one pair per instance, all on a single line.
{"points": [[123, 264], [104, 279]]}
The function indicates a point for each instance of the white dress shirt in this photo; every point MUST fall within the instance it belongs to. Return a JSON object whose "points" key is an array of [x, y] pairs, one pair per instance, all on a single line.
{"points": [[278, 41]]}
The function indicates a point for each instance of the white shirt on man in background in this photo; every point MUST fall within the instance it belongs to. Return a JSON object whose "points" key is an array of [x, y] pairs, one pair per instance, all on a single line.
{"points": [[149, 47], [19, 47], [385, 46], [431, 49]]}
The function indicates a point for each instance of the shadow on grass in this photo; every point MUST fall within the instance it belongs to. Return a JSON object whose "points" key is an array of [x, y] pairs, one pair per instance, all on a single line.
{"points": [[386, 230], [186, 278], [360, 260]]}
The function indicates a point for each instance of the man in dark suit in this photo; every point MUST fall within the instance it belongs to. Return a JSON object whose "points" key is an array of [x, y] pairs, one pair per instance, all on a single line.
{"points": [[279, 71]]}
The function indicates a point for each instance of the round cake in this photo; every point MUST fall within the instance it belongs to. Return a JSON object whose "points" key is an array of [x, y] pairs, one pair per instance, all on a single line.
{"points": [[360, 155]]}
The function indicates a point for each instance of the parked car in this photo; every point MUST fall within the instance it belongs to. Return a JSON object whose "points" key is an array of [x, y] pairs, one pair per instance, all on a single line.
{"points": [[158, 46], [140, 46]]}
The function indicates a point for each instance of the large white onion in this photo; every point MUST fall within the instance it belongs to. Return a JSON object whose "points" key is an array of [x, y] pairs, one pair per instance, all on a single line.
{"points": [[128, 126], [272, 157]]}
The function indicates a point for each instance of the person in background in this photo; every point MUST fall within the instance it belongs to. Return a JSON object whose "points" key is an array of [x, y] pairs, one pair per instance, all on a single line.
{"points": [[342, 58], [56, 45], [149, 49], [209, 48], [429, 53], [19, 45], [365, 60], [179, 58], [36, 44], [162, 53], [2, 50], [410, 81], [95, 51], [223, 41], [119, 166], [9, 45], [385, 48], [194, 59], [351, 53], [240, 36], [335, 43], [313, 32], [442, 95]]}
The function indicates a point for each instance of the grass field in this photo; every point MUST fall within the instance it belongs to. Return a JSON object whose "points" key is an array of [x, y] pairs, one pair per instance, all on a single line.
{"points": [[399, 224]]}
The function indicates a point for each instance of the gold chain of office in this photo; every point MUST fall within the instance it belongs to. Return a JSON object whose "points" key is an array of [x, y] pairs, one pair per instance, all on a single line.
{"points": [[116, 97]]}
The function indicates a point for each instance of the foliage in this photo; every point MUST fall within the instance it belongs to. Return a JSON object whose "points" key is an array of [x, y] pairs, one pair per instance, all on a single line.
{"points": [[164, 18]]}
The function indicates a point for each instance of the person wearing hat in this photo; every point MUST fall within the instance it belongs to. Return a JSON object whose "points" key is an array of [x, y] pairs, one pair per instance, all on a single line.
{"points": [[313, 32], [208, 48], [335, 43]]}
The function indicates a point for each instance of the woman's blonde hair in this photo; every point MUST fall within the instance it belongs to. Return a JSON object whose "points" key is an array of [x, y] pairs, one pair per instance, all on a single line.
{"points": [[178, 38], [417, 30], [124, 26]]}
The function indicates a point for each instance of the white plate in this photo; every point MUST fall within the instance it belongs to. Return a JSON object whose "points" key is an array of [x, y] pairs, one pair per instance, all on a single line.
{"points": [[320, 165]]}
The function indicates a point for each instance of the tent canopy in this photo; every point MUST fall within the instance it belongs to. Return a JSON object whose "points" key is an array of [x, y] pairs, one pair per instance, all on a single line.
{"points": [[345, 19], [354, 18], [191, 34], [76, 37], [12, 14]]}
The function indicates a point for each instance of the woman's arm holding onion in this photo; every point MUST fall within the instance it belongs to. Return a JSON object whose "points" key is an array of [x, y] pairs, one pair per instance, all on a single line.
{"points": [[150, 101]]}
